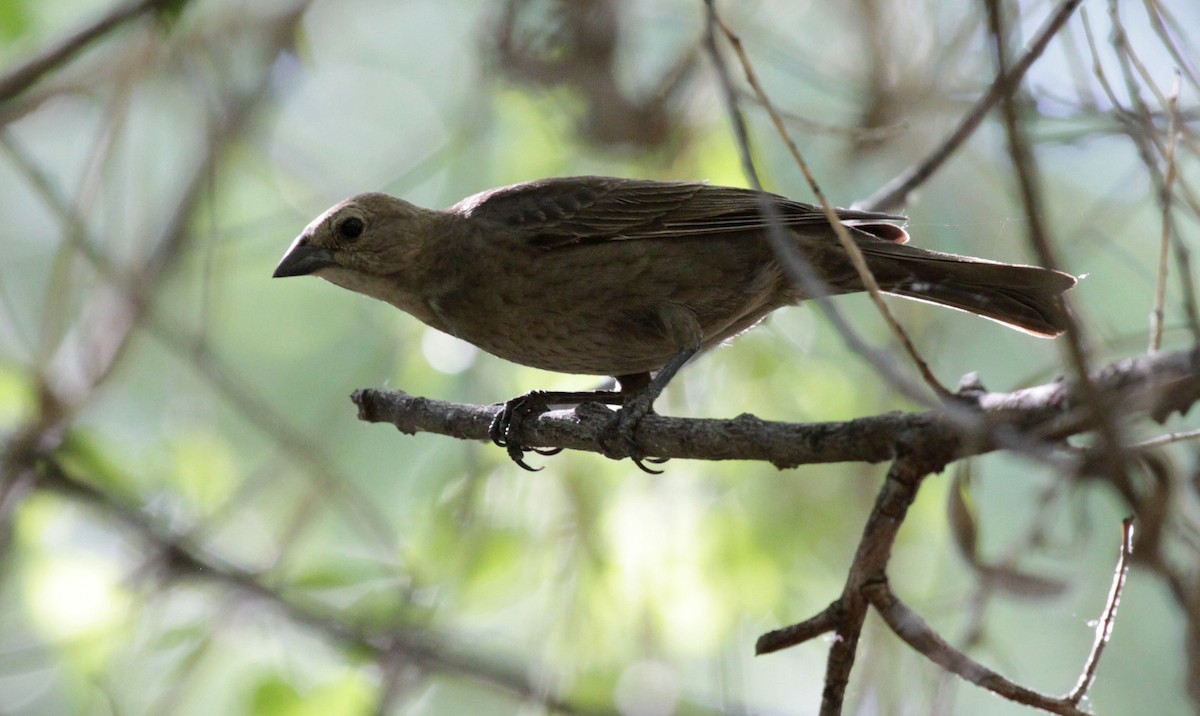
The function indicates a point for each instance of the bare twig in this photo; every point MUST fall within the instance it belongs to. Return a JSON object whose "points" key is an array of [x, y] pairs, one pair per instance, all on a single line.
{"points": [[1141, 129], [822, 623], [1167, 439], [917, 633], [1105, 626], [1156, 12], [1160, 294]]}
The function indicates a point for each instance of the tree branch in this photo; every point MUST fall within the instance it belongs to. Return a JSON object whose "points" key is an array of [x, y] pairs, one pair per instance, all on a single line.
{"points": [[1156, 385], [25, 74]]}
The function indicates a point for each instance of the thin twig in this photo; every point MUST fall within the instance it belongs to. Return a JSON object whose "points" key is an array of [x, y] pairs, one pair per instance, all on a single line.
{"points": [[839, 229], [1160, 295], [822, 623], [1167, 439], [988, 586], [1155, 12], [1024, 164], [1140, 128], [917, 633], [795, 265], [1108, 619]]}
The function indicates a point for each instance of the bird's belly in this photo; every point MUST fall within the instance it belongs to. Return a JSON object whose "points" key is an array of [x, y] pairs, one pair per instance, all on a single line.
{"points": [[585, 339], [603, 310]]}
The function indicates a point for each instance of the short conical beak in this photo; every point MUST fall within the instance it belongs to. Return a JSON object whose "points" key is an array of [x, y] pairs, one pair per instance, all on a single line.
{"points": [[302, 259]]}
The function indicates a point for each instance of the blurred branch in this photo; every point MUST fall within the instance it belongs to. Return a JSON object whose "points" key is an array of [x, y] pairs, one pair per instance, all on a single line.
{"points": [[25, 74], [137, 285], [174, 558], [64, 386], [1029, 184], [1159, 18], [894, 193], [1139, 124], [1164, 251], [579, 48]]}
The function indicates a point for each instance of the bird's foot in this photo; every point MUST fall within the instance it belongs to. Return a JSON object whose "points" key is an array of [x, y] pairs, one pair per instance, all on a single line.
{"points": [[622, 427], [505, 430], [506, 426]]}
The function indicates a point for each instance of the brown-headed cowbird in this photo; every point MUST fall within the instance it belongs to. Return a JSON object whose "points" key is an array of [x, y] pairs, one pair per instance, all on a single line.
{"points": [[627, 277]]}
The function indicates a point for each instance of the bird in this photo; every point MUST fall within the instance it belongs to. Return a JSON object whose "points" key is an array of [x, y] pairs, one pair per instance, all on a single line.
{"points": [[632, 278]]}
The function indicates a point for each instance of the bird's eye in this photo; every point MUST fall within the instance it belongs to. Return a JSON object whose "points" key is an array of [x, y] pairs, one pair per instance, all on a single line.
{"points": [[351, 227]]}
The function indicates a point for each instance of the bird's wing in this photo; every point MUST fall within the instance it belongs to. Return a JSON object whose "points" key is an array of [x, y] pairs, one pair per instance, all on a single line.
{"points": [[572, 210]]}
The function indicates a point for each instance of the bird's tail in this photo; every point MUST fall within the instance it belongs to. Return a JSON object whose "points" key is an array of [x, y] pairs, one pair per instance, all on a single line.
{"points": [[1028, 298]]}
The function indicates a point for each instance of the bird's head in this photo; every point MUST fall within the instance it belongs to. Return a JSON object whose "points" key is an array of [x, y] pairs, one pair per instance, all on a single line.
{"points": [[366, 234], [376, 245]]}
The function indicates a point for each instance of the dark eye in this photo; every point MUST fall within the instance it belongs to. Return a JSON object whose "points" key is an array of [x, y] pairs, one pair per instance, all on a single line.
{"points": [[350, 227]]}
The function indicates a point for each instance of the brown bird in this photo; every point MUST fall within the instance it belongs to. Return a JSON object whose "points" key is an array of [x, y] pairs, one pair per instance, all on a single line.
{"points": [[629, 278]]}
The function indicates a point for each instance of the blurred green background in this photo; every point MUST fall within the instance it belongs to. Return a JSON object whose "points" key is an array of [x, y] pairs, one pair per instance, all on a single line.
{"points": [[192, 521]]}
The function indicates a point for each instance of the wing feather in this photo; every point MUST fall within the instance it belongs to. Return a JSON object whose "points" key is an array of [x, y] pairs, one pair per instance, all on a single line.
{"points": [[573, 210]]}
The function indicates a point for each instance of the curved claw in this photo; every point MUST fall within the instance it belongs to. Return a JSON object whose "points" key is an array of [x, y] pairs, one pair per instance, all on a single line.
{"points": [[517, 456], [639, 459], [622, 426], [498, 427], [506, 426], [641, 464], [505, 429]]}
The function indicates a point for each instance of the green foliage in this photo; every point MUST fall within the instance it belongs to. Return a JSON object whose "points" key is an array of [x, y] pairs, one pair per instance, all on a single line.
{"points": [[278, 696], [18, 397], [14, 19]]}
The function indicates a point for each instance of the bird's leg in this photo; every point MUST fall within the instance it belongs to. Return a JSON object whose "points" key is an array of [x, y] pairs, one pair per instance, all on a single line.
{"points": [[505, 429], [636, 400], [640, 395]]}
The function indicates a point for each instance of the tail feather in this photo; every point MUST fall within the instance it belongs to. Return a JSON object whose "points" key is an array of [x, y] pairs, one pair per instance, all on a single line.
{"points": [[1028, 298]]}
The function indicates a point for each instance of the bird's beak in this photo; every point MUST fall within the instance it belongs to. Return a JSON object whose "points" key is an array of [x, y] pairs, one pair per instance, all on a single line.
{"points": [[302, 259]]}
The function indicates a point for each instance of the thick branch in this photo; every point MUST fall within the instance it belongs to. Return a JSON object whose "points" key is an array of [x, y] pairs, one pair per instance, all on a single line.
{"points": [[1156, 385]]}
